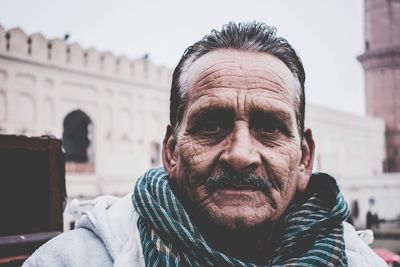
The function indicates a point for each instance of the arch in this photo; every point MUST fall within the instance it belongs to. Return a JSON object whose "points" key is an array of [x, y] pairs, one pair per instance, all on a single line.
{"points": [[78, 137], [48, 114], [3, 76], [125, 121], [108, 122], [48, 83], [3, 106], [17, 42], [25, 110]]}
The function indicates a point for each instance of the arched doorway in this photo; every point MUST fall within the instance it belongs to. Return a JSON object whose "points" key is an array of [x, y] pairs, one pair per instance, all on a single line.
{"points": [[77, 142]]}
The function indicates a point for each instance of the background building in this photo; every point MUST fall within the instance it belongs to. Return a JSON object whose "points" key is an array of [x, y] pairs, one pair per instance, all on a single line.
{"points": [[381, 63], [111, 113]]}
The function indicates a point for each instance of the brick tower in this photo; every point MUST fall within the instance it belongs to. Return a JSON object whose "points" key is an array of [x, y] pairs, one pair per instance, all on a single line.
{"points": [[381, 63]]}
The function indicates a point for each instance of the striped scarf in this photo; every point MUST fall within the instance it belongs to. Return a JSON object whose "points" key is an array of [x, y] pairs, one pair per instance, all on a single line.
{"points": [[311, 230]]}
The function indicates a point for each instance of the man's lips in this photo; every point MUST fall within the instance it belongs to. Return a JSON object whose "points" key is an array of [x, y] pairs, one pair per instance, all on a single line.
{"points": [[238, 195]]}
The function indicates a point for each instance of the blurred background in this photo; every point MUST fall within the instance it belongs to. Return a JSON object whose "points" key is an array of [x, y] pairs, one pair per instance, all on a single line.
{"points": [[96, 74]]}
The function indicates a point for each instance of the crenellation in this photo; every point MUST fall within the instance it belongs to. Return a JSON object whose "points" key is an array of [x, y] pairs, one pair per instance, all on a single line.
{"points": [[138, 68], [151, 71], [38, 47], [165, 75], [158, 74], [123, 67], [57, 51], [92, 59], [17, 42], [75, 56], [132, 68], [108, 63]]}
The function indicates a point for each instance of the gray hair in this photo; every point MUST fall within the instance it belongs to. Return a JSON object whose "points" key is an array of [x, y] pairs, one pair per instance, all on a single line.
{"points": [[246, 36]]}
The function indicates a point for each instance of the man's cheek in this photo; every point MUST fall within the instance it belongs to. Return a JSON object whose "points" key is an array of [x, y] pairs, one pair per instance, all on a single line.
{"points": [[282, 167], [197, 157], [288, 156]]}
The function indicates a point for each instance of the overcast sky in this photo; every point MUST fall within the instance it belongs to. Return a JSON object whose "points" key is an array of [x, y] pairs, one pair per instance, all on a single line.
{"points": [[328, 34]]}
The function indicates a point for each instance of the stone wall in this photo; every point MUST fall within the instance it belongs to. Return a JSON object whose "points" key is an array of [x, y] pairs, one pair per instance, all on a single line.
{"points": [[127, 101], [347, 145]]}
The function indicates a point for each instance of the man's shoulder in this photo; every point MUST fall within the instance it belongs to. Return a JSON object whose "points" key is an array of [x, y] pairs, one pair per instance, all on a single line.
{"points": [[106, 232], [79, 247]]}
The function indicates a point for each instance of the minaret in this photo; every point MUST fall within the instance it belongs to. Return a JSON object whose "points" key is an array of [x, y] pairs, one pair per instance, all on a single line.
{"points": [[381, 63]]}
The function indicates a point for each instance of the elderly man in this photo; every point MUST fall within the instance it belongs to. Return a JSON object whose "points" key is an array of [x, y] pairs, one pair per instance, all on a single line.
{"points": [[237, 187]]}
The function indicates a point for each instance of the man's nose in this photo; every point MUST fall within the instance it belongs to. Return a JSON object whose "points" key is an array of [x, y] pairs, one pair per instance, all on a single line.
{"points": [[241, 154]]}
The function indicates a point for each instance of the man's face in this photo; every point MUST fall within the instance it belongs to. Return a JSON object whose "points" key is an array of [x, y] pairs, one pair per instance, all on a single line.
{"points": [[238, 157]]}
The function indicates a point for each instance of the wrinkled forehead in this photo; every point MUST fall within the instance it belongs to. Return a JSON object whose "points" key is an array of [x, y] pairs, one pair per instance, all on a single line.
{"points": [[237, 62]]}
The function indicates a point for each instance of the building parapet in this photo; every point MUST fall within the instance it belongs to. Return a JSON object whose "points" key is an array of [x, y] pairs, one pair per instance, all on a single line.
{"points": [[35, 48], [317, 113]]}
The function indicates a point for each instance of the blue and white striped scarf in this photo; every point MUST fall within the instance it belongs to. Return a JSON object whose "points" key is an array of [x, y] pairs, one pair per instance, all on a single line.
{"points": [[311, 230]]}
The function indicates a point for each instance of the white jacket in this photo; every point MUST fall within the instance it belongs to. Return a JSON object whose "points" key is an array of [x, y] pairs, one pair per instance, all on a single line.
{"points": [[106, 234]]}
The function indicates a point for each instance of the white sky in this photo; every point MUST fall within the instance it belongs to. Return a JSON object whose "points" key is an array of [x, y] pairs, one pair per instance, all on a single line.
{"points": [[328, 34]]}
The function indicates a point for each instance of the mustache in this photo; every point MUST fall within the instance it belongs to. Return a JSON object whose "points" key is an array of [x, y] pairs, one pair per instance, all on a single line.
{"points": [[227, 179]]}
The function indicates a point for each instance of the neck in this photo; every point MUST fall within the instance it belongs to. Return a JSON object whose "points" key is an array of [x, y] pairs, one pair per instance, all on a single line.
{"points": [[250, 245]]}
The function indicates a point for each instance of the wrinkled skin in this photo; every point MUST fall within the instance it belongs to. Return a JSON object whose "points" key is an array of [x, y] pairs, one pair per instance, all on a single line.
{"points": [[239, 116]]}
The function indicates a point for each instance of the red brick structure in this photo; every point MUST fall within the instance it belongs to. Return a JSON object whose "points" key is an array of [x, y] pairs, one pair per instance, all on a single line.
{"points": [[381, 63]]}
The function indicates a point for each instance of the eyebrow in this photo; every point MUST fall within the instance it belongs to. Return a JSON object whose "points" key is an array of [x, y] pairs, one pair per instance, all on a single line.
{"points": [[209, 111], [279, 115]]}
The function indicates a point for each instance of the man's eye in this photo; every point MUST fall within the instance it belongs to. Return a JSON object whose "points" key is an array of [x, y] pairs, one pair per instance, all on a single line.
{"points": [[210, 126], [269, 128]]}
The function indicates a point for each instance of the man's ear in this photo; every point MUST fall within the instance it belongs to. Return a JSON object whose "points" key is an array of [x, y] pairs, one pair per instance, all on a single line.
{"points": [[169, 155], [307, 160]]}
